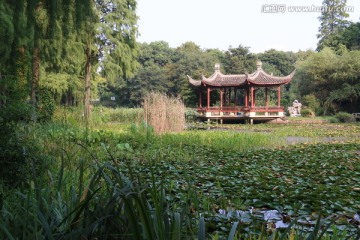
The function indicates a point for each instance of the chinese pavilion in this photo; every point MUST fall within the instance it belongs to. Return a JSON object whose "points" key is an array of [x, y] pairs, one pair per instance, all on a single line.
{"points": [[237, 95]]}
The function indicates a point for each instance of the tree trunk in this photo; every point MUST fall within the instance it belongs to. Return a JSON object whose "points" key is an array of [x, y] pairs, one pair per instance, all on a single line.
{"points": [[68, 101], [35, 79], [21, 72], [87, 111], [2, 92]]}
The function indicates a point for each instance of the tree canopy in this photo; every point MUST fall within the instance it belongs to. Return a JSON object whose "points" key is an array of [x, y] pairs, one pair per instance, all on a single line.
{"points": [[331, 78], [58, 44], [332, 20], [78, 51]]}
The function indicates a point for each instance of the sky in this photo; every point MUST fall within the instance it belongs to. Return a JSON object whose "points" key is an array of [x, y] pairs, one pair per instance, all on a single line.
{"points": [[230, 23]]}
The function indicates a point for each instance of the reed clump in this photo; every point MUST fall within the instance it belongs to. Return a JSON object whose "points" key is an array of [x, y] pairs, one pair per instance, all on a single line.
{"points": [[164, 113]]}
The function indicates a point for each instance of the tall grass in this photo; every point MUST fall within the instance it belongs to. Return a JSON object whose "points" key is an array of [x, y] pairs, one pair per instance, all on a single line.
{"points": [[96, 202], [163, 113], [74, 115], [118, 115], [221, 140]]}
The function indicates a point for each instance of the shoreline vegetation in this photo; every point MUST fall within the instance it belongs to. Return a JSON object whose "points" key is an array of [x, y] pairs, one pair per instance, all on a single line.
{"points": [[118, 179]]}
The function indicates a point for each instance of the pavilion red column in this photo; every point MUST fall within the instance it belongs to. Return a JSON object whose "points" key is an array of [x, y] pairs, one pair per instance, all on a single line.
{"points": [[278, 96], [229, 96], [252, 96], [235, 96], [246, 97], [221, 98], [200, 99], [208, 98], [266, 98]]}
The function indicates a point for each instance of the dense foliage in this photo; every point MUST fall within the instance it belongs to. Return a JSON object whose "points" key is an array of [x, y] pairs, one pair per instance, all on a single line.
{"points": [[59, 54], [333, 79], [133, 184], [48, 52], [60, 44], [332, 20]]}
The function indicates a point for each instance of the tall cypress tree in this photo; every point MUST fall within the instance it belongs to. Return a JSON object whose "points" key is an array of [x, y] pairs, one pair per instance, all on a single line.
{"points": [[332, 20], [38, 21], [20, 48], [6, 34], [86, 20], [109, 35], [117, 38]]}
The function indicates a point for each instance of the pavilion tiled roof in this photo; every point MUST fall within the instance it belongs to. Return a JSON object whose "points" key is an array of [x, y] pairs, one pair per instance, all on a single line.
{"points": [[218, 79], [259, 77]]}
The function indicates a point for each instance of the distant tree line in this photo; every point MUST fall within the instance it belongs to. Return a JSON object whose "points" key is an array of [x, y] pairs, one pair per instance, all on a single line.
{"points": [[165, 69], [74, 52], [327, 80]]}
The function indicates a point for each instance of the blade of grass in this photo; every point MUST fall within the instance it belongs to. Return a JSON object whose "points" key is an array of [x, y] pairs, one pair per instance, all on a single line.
{"points": [[201, 233], [287, 230], [7, 233], [176, 233], [233, 231], [46, 226]]}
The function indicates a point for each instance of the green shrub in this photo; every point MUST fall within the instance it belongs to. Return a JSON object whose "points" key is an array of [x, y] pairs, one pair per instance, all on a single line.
{"points": [[333, 120], [20, 156], [345, 117], [191, 114], [16, 112], [125, 115], [45, 105], [311, 102], [118, 115], [16, 152], [307, 112]]}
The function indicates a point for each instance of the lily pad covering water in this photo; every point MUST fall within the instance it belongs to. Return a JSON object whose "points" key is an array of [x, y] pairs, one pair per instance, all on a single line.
{"points": [[298, 181]]}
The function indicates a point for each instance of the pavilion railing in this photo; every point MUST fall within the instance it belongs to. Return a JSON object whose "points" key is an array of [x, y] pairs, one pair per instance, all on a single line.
{"points": [[270, 108], [241, 109]]}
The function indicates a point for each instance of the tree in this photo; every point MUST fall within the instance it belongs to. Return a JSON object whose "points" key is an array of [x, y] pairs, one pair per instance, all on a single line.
{"points": [[86, 18], [150, 75], [6, 34], [195, 62], [118, 49], [239, 60], [13, 64], [333, 80], [345, 92], [311, 102], [63, 50], [314, 74], [38, 24], [164, 69], [350, 36], [34, 30], [332, 20], [279, 62]]}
